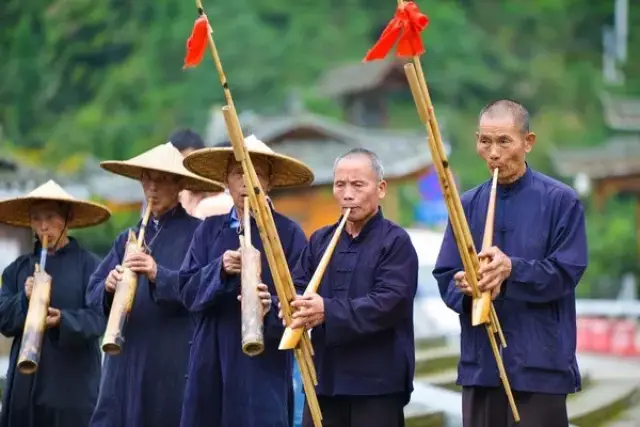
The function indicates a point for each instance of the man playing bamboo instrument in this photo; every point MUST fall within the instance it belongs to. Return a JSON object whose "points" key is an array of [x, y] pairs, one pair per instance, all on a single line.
{"points": [[227, 388], [144, 384], [539, 256], [198, 203], [63, 390], [362, 317]]}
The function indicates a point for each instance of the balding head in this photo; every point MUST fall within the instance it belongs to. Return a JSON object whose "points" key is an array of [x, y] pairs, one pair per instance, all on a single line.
{"points": [[374, 160], [504, 138], [358, 183], [507, 108]]}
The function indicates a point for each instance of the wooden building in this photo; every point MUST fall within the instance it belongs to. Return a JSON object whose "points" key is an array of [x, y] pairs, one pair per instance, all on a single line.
{"points": [[364, 92], [613, 168]]}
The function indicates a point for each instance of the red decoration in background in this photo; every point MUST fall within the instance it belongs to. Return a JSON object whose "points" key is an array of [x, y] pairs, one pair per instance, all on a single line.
{"points": [[404, 28], [197, 42]]}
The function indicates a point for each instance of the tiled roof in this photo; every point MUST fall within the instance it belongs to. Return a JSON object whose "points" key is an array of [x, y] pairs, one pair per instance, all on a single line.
{"points": [[401, 152], [619, 157], [621, 113], [356, 77], [111, 187]]}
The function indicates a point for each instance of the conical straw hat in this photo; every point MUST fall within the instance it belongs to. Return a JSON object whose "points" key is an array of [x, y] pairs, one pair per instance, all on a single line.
{"points": [[163, 158], [285, 171], [83, 213]]}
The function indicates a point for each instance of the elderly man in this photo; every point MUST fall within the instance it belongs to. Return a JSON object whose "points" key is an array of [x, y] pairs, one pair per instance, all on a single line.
{"points": [[64, 389], [199, 204], [143, 385], [362, 317], [539, 256], [225, 387]]}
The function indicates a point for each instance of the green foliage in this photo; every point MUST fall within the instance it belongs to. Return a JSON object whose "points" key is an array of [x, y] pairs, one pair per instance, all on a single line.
{"points": [[613, 248], [83, 78], [100, 239]]}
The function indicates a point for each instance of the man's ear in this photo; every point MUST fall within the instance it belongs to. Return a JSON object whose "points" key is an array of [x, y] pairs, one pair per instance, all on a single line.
{"points": [[382, 189], [529, 142]]}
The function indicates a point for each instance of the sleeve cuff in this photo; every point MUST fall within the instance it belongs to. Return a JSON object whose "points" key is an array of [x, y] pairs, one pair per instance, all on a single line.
{"points": [[25, 302], [467, 304]]}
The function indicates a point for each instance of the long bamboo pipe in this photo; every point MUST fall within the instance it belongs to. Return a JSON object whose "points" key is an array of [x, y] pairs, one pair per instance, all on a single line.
{"points": [[291, 337], [460, 227]]}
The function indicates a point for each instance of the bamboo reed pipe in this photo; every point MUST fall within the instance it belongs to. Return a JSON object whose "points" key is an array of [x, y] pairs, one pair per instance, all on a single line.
{"points": [[125, 293], [291, 337], [462, 234], [273, 251]]}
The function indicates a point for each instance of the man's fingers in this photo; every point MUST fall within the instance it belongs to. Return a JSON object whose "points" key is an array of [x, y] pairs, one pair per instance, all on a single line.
{"points": [[264, 295], [262, 287], [297, 323], [299, 303]]}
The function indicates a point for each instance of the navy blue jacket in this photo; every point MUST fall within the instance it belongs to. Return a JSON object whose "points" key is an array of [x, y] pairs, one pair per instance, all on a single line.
{"points": [[225, 387], [366, 344], [540, 225]]}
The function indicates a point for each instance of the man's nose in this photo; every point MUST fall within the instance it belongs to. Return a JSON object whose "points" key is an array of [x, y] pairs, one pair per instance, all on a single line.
{"points": [[493, 153], [348, 195]]}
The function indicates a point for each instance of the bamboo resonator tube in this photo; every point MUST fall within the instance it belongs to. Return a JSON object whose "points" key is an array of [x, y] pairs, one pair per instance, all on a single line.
{"points": [[251, 307], [291, 337], [125, 293], [481, 314], [35, 322]]}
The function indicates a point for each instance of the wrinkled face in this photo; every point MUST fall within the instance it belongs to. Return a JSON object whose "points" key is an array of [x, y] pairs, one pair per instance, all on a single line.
{"points": [[502, 145], [48, 219], [356, 186], [161, 189], [235, 182]]}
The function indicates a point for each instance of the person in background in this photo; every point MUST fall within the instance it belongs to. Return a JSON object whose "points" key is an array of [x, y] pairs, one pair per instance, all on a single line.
{"points": [[144, 384], [361, 319], [199, 203], [63, 390], [539, 256], [227, 388]]}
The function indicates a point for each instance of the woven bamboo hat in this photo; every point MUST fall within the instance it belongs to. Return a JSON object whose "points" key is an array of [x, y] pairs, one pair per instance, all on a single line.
{"points": [[15, 211], [162, 158], [285, 171]]}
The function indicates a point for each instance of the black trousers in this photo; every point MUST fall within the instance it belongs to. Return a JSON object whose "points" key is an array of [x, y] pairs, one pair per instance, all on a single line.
{"points": [[489, 407], [358, 411]]}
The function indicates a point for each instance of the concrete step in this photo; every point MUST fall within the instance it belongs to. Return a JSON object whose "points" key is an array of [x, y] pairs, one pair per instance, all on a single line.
{"points": [[445, 379], [430, 342], [628, 418], [418, 415], [602, 401], [436, 359]]}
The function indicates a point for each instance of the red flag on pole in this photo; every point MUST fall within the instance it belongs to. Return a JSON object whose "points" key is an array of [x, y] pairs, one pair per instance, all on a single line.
{"points": [[197, 42], [405, 28]]}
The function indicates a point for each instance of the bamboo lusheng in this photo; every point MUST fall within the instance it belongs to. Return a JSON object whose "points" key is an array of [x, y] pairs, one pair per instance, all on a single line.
{"points": [[457, 218], [125, 293], [481, 314], [35, 323], [291, 337], [275, 256], [268, 233], [251, 307]]}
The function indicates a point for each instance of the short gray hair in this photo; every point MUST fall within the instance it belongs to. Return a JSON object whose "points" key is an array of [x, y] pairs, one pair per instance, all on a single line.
{"points": [[516, 110], [376, 164]]}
